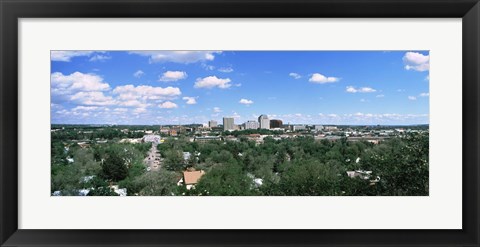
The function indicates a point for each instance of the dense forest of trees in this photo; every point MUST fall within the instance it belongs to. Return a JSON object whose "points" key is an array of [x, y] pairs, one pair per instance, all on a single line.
{"points": [[289, 167]]}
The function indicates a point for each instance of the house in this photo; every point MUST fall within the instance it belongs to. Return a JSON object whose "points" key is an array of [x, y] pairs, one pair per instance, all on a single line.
{"points": [[359, 173], [365, 175], [190, 178], [186, 156]]}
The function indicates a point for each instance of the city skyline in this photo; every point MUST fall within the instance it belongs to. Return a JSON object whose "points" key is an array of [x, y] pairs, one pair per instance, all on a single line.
{"points": [[183, 87]]}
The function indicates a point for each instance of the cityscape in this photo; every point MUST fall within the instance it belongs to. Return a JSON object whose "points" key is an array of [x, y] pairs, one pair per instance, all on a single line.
{"points": [[173, 135]]}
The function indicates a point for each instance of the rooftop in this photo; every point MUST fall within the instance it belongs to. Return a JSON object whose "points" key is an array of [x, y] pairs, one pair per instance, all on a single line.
{"points": [[192, 177]]}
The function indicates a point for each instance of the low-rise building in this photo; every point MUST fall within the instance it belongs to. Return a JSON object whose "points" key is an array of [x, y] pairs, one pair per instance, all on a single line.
{"points": [[191, 178], [298, 127], [151, 138], [203, 139]]}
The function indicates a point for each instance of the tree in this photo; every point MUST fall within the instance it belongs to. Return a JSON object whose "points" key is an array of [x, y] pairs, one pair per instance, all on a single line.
{"points": [[114, 167], [161, 183], [225, 180], [174, 160], [309, 178]]}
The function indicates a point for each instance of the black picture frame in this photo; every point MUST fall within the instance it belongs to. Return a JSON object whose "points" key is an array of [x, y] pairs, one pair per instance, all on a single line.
{"points": [[12, 10]]}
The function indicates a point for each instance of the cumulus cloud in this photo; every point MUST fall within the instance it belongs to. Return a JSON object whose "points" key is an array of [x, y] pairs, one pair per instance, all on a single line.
{"points": [[133, 103], [92, 98], [380, 96], [139, 110], [416, 61], [120, 110], [212, 81], [412, 98], [424, 94], [99, 58], [138, 73], [168, 105], [173, 76], [295, 75], [190, 100], [246, 102], [207, 67], [130, 92], [85, 108], [184, 57], [217, 109], [226, 70], [68, 84], [351, 89], [66, 56], [321, 79]]}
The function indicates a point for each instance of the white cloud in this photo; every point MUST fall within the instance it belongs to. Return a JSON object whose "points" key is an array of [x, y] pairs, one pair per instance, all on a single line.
{"points": [[139, 110], [138, 74], [295, 75], [212, 81], [235, 115], [168, 105], [133, 103], [190, 100], [246, 102], [416, 61], [68, 84], [217, 109], [321, 79], [130, 92], [424, 94], [184, 57], [173, 76], [226, 70], [351, 89], [99, 58], [120, 110], [207, 67], [85, 108], [412, 98], [92, 98], [66, 56], [380, 96]]}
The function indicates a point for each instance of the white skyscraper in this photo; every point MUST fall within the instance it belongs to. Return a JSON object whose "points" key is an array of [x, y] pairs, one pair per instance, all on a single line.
{"points": [[264, 122], [252, 125], [228, 123], [212, 123]]}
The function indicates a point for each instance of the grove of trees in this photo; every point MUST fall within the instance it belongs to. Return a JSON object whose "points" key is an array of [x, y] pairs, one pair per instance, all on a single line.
{"points": [[298, 166]]}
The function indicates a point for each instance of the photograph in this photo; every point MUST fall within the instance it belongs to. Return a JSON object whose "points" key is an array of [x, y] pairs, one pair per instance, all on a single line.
{"points": [[239, 122]]}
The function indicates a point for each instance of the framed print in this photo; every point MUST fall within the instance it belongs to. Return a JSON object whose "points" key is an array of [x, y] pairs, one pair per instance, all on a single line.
{"points": [[263, 123]]}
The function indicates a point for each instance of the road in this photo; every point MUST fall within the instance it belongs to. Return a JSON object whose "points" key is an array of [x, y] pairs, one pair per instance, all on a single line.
{"points": [[153, 158]]}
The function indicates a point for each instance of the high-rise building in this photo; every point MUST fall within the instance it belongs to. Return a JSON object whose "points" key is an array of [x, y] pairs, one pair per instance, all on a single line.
{"points": [[275, 123], [264, 122], [252, 125], [228, 123], [212, 123]]}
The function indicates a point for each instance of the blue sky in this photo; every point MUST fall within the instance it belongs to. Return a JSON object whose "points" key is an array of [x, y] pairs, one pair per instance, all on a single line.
{"points": [[183, 87]]}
